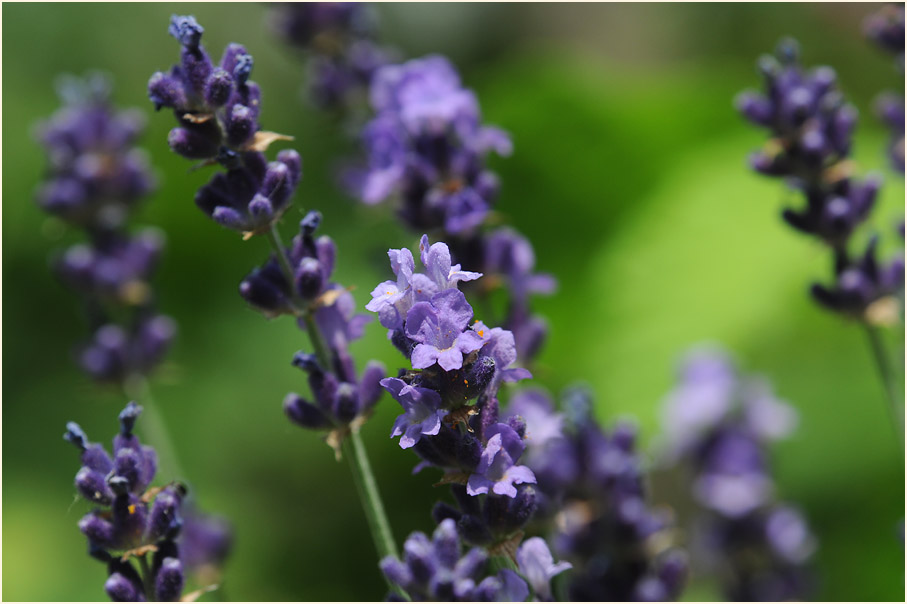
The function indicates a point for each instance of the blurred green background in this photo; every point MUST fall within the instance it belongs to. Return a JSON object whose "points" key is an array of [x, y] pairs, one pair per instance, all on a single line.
{"points": [[629, 178]]}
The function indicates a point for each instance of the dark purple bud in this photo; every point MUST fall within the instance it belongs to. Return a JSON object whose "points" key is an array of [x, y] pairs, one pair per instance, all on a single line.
{"points": [[128, 416], [121, 589], [96, 458], [76, 435], [755, 108], [474, 531], [327, 253], [446, 543], [186, 30], [472, 563], [370, 389], [518, 424], [291, 159], [260, 208], [98, 530], [309, 278], [441, 511], [396, 571], [262, 293], [418, 554], [165, 91], [346, 402], [307, 362], [309, 224], [243, 69], [169, 583], [118, 484], [191, 144], [93, 486], [304, 413], [241, 125], [479, 376], [164, 521], [218, 88], [228, 217]]}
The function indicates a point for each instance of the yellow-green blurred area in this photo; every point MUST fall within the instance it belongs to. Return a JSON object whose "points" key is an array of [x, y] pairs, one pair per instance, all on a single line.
{"points": [[629, 178]]}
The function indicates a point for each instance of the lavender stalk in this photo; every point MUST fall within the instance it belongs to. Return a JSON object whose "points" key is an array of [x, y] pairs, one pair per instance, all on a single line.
{"points": [[717, 426], [811, 127], [96, 179], [217, 109]]}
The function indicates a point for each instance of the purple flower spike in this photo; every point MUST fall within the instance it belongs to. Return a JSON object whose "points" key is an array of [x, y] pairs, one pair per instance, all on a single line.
{"points": [[497, 471], [129, 517], [437, 327], [537, 565], [422, 413]]}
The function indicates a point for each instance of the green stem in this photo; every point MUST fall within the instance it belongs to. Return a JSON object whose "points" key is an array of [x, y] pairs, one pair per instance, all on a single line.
{"points": [[147, 579], [307, 315], [353, 447], [367, 486], [886, 374], [136, 388]]}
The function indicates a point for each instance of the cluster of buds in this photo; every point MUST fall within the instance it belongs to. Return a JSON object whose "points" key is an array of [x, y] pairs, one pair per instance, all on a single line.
{"points": [[96, 177], [250, 197], [592, 496], [218, 108], [718, 425], [134, 521], [811, 127], [337, 40]]}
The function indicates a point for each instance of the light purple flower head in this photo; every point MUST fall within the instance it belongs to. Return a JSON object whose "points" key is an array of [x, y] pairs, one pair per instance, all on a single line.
{"points": [[393, 300], [438, 328], [537, 565], [423, 414], [426, 94], [497, 471]]}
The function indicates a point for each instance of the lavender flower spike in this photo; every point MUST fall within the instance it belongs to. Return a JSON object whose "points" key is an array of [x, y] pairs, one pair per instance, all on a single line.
{"points": [[497, 471], [537, 565], [422, 415]]}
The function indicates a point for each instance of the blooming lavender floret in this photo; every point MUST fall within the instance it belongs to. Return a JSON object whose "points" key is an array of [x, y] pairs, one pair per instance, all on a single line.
{"points": [[497, 471], [436, 570], [538, 566], [423, 414], [131, 520], [718, 424]]}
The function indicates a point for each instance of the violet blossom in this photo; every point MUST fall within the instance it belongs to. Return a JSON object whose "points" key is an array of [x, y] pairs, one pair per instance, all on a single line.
{"points": [[718, 425]]}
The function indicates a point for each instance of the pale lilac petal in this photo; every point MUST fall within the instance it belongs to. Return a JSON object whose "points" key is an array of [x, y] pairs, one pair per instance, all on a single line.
{"points": [[449, 359], [478, 484], [425, 356]]}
